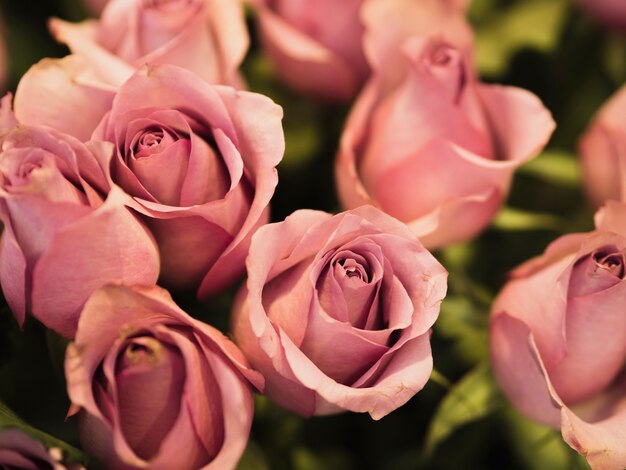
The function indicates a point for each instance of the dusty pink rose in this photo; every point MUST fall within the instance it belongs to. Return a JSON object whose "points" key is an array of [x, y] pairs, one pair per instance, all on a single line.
{"points": [[156, 388], [603, 152], [558, 339], [610, 12], [208, 37], [426, 141], [337, 311], [199, 162], [20, 451], [65, 232], [315, 46]]}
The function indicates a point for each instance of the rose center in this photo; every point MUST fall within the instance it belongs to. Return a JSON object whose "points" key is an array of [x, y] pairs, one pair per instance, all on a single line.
{"points": [[152, 141], [446, 64], [150, 377], [354, 270], [612, 261]]}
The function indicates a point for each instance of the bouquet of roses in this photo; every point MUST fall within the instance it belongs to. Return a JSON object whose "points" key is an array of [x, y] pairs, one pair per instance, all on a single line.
{"points": [[189, 289]]}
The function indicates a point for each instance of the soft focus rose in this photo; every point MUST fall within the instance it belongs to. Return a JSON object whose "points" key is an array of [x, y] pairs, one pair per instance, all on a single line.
{"points": [[337, 311], [199, 162], [20, 451], [610, 12], [156, 388], [558, 339], [603, 152], [63, 235], [315, 46], [426, 142], [208, 37]]}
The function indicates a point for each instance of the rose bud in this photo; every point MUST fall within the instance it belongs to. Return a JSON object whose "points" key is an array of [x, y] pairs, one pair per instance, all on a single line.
{"points": [[603, 152], [315, 46], [63, 236], [20, 451], [337, 310], [610, 12], [199, 162], [208, 37], [428, 143], [156, 388], [558, 339]]}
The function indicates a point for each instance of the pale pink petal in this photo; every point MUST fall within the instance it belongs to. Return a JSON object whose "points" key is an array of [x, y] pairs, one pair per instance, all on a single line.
{"points": [[120, 250], [52, 87], [519, 369]]}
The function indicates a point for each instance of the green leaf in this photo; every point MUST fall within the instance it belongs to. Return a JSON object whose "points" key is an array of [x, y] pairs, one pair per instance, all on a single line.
{"points": [[511, 219], [8, 419], [465, 324], [472, 398], [555, 166], [535, 24]]}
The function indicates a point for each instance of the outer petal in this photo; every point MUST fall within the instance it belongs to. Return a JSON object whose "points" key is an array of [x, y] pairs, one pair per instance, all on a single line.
{"points": [[259, 341], [120, 250], [404, 376], [519, 369], [13, 274], [521, 124], [61, 93], [261, 145], [600, 439]]}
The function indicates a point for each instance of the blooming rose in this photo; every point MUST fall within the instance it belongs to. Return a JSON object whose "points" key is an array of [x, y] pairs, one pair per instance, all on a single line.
{"points": [[426, 142], [337, 311], [20, 451], [156, 388], [558, 339], [603, 152], [63, 235], [315, 46], [208, 37], [610, 12], [199, 162]]}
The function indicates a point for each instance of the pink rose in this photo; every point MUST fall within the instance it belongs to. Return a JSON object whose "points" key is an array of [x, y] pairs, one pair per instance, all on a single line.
{"points": [[603, 152], [337, 311], [558, 339], [199, 162], [20, 451], [156, 388], [315, 46], [426, 141], [64, 236], [610, 12], [208, 37]]}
